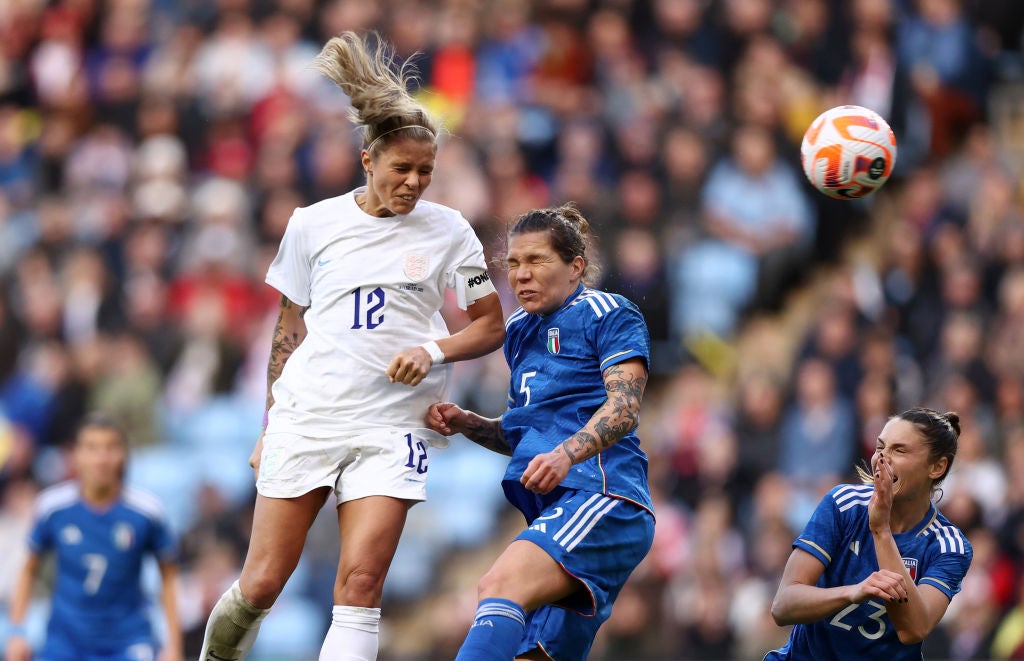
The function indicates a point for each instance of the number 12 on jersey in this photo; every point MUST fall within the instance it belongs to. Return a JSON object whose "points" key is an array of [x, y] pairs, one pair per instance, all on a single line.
{"points": [[374, 304]]}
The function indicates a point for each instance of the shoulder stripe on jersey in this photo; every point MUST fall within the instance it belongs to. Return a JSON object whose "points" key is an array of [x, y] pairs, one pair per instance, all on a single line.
{"points": [[853, 503], [852, 498], [583, 521], [847, 490], [144, 502], [613, 356], [932, 579], [950, 539], [596, 308], [851, 495], [820, 550], [516, 315], [56, 497], [600, 302]]}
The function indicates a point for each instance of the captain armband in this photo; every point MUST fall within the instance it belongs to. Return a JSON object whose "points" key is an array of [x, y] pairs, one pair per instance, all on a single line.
{"points": [[471, 284]]}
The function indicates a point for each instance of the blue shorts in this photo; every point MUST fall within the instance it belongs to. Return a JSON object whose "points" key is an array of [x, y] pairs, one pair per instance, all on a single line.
{"points": [[597, 539]]}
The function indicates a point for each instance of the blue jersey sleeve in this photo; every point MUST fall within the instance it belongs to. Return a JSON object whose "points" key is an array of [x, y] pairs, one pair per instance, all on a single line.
{"points": [[822, 532], [622, 334], [40, 538], [946, 571], [162, 542]]}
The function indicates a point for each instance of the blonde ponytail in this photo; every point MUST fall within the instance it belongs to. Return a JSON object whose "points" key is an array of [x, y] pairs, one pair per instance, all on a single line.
{"points": [[376, 89]]}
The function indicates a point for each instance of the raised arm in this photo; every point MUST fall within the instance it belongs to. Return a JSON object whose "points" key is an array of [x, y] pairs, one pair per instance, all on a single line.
{"points": [[924, 605], [619, 414]]}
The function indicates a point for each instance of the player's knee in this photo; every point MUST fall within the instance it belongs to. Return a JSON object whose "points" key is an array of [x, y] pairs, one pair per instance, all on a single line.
{"points": [[360, 587], [261, 588], [493, 584]]}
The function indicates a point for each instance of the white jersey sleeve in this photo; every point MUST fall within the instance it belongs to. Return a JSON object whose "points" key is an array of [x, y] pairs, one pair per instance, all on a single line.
{"points": [[467, 273], [290, 271]]}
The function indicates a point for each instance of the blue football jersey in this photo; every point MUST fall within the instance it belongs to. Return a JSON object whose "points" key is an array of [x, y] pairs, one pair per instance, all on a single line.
{"points": [[557, 363], [97, 601], [935, 553]]}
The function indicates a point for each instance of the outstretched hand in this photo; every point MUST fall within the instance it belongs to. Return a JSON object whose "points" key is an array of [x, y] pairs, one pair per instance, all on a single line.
{"points": [[410, 366], [446, 418]]}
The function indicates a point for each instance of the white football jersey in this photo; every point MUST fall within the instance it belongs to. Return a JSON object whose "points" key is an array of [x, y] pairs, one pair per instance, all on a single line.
{"points": [[374, 287]]}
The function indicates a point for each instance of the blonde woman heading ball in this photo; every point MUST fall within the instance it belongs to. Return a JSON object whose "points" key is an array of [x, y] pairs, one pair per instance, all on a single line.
{"points": [[359, 352]]}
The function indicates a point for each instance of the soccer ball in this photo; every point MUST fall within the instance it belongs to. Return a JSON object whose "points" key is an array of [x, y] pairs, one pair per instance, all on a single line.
{"points": [[848, 152]]}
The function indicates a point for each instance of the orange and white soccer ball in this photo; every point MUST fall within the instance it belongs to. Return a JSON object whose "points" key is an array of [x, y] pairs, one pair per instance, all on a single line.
{"points": [[848, 152]]}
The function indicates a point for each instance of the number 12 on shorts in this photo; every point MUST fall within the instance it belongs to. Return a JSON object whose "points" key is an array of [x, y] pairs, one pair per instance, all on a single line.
{"points": [[417, 454]]}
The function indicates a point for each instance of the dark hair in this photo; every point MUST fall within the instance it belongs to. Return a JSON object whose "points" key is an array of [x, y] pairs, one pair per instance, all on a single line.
{"points": [[365, 69], [104, 422], [568, 230], [941, 433]]}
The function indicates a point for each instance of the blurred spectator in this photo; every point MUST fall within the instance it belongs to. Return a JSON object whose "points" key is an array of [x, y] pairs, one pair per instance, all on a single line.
{"points": [[936, 47], [758, 226], [818, 435]]}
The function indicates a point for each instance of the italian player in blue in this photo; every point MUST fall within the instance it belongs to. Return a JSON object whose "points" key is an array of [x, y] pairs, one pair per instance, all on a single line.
{"points": [[877, 565], [100, 532], [579, 363]]}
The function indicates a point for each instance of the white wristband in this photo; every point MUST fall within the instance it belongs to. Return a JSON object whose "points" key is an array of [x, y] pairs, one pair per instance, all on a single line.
{"points": [[436, 355]]}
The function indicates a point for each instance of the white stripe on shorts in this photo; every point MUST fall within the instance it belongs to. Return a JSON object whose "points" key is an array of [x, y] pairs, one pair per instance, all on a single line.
{"points": [[578, 514], [593, 522], [584, 520]]}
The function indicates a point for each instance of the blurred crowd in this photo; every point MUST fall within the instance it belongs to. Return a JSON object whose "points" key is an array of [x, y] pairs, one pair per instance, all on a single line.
{"points": [[152, 151]]}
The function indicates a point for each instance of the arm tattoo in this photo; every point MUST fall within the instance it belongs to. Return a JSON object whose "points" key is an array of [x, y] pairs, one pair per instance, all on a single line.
{"points": [[281, 348], [487, 434], [616, 417], [580, 446]]}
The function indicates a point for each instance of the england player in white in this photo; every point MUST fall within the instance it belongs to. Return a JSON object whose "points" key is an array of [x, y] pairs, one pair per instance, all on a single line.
{"points": [[359, 352]]}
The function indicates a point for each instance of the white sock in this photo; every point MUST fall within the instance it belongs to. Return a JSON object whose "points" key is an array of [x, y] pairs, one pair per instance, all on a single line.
{"points": [[353, 634], [232, 627]]}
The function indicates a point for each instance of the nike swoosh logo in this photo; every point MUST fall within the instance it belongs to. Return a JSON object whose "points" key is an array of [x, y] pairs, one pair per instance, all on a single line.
{"points": [[322, 262], [214, 655]]}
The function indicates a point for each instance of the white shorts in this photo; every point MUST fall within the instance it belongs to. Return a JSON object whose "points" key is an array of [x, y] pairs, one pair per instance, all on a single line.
{"points": [[387, 462]]}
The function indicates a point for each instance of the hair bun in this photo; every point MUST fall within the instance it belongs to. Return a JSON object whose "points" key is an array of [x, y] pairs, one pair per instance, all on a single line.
{"points": [[953, 418], [572, 215]]}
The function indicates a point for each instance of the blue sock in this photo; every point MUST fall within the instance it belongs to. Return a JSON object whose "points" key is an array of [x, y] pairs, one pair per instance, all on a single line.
{"points": [[497, 630]]}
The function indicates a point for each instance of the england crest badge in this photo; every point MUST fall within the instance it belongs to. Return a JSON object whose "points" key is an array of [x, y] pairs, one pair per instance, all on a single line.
{"points": [[415, 266]]}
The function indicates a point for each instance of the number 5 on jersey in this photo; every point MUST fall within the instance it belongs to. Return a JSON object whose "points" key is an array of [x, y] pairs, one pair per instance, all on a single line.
{"points": [[523, 388]]}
